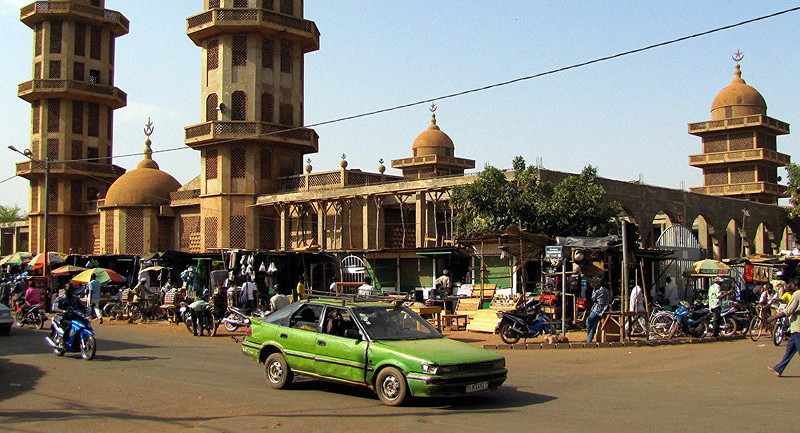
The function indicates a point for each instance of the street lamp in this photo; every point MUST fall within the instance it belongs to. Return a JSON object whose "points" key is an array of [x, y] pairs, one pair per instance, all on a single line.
{"points": [[745, 213], [28, 154]]}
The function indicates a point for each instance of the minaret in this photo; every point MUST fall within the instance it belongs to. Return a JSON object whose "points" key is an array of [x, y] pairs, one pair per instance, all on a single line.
{"points": [[252, 99], [740, 157], [73, 99]]}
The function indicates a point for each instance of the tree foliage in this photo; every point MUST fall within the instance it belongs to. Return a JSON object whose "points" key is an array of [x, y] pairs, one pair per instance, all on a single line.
{"points": [[793, 188], [573, 207], [10, 213]]}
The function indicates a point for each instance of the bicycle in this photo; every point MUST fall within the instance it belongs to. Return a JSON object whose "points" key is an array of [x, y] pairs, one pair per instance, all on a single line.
{"points": [[758, 326]]}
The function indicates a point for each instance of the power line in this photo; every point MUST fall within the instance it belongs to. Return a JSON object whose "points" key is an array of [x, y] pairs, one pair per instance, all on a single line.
{"points": [[500, 84]]}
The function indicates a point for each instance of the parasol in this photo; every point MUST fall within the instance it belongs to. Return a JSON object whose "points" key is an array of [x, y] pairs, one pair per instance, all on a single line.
{"points": [[103, 275], [53, 258], [155, 268], [707, 268], [17, 258], [66, 270]]}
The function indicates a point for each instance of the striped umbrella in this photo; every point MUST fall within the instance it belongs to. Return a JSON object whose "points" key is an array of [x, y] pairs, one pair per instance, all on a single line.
{"points": [[53, 258], [17, 258], [102, 275]]}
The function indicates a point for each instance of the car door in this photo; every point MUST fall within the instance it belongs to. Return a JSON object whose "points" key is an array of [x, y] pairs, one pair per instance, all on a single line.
{"points": [[299, 338], [339, 356]]}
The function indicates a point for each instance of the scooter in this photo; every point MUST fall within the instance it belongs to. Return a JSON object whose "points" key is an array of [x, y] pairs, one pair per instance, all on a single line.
{"points": [[694, 319], [526, 321], [81, 337], [30, 315]]}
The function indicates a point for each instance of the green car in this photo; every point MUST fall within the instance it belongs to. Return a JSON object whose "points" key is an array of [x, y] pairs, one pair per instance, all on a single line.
{"points": [[386, 347]]}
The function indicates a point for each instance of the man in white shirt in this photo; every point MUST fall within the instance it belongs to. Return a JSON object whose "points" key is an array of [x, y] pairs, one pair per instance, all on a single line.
{"points": [[366, 289], [671, 292], [248, 298], [279, 299]]}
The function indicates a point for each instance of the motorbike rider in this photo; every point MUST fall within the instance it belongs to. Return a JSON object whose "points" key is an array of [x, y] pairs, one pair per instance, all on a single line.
{"points": [[33, 296], [63, 307]]}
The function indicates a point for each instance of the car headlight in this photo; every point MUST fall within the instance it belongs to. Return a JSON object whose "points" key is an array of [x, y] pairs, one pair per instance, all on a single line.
{"points": [[430, 368]]}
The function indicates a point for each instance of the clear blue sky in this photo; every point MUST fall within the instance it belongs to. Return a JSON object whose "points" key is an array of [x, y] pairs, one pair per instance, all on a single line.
{"points": [[627, 116]]}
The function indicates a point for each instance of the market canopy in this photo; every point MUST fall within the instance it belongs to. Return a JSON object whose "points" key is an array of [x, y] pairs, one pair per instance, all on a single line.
{"points": [[67, 270], [155, 268], [707, 268], [17, 258], [102, 275], [51, 258]]}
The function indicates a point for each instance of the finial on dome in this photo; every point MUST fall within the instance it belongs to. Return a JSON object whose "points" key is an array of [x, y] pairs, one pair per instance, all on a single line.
{"points": [[738, 56], [381, 167], [308, 165], [148, 162], [343, 163], [432, 109]]}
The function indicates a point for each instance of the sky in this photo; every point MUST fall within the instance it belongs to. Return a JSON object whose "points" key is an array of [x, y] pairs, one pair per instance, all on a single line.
{"points": [[627, 116]]}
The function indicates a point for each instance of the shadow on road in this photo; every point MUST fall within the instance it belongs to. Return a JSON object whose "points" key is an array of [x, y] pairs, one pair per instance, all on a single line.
{"points": [[28, 341], [111, 358], [17, 379]]}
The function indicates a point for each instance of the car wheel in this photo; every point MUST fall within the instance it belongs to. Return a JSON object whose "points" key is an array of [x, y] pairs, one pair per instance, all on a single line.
{"points": [[391, 386], [277, 371]]}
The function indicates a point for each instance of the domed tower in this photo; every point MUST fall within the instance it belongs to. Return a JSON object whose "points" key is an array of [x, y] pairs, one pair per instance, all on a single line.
{"points": [[252, 99], [134, 215], [73, 98], [740, 157], [432, 155]]}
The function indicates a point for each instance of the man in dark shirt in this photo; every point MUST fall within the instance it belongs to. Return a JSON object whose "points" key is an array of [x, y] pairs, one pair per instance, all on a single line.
{"points": [[601, 299], [63, 307]]}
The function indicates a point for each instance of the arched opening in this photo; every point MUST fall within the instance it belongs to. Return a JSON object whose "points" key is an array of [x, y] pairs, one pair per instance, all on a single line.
{"points": [[661, 222], [706, 236], [212, 102], [764, 241]]}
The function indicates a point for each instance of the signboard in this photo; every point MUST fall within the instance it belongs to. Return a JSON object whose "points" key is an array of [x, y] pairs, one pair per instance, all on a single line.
{"points": [[553, 252]]}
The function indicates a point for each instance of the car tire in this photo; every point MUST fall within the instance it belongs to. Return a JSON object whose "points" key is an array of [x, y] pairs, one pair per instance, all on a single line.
{"points": [[391, 386], [277, 371]]}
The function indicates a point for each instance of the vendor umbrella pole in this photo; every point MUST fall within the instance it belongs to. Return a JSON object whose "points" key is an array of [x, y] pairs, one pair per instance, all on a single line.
{"points": [[563, 296]]}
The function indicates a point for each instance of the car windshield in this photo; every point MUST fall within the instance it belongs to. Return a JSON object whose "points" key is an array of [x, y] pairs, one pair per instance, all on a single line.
{"points": [[395, 323]]}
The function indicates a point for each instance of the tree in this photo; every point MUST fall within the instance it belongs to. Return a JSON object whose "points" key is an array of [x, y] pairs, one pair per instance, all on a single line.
{"points": [[11, 213], [793, 189], [573, 207]]}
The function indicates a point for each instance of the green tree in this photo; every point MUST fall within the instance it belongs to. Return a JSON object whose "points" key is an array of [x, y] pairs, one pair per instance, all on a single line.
{"points": [[573, 207], [793, 189], [10, 213]]}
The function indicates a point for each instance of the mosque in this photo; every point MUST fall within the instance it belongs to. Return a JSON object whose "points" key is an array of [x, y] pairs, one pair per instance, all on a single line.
{"points": [[253, 191]]}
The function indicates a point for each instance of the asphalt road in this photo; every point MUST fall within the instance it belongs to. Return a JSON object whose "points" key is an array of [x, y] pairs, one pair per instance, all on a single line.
{"points": [[158, 377]]}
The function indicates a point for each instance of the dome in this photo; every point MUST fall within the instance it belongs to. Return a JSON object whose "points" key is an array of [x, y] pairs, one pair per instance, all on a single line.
{"points": [[146, 185], [433, 141], [142, 186], [738, 99]]}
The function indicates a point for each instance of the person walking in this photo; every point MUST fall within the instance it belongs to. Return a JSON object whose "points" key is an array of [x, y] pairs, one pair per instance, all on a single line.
{"points": [[248, 298], [601, 300], [791, 311], [94, 297]]}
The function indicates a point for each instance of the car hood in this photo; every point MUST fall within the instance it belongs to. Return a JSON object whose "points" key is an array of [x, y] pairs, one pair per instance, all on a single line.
{"points": [[442, 351]]}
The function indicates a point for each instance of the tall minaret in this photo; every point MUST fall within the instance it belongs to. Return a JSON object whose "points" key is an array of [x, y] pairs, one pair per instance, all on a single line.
{"points": [[252, 99], [73, 98], [740, 157]]}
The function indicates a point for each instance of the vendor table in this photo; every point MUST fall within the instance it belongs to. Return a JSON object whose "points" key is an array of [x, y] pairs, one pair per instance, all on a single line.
{"points": [[434, 311]]}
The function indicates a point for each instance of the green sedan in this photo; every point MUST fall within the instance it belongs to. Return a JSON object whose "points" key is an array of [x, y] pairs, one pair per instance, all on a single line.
{"points": [[386, 347]]}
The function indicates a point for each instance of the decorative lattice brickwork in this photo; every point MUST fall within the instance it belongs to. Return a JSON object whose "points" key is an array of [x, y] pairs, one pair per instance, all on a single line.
{"points": [[237, 228], [37, 40], [36, 116], [96, 43], [286, 57], [165, 229], [240, 50], [287, 7], [266, 230], [94, 120], [53, 115], [108, 248], [75, 190], [213, 4], [212, 55], [134, 231], [54, 69], [267, 107], [741, 141], [212, 160], [266, 163], [77, 117], [240, 3], [212, 102], [80, 39], [52, 148], [190, 233], [56, 33], [238, 105], [238, 162], [211, 230], [267, 53]]}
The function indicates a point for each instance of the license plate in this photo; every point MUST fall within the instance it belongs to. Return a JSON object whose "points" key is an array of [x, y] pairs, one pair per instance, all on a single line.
{"points": [[480, 386]]}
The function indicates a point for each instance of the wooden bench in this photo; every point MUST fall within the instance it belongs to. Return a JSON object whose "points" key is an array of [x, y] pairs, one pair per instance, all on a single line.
{"points": [[455, 322]]}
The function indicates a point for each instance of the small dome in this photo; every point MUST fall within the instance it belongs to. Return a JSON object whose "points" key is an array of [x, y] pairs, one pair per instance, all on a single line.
{"points": [[433, 141], [742, 99], [142, 186]]}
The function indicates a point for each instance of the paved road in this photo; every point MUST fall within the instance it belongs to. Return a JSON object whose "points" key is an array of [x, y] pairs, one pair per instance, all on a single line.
{"points": [[158, 377]]}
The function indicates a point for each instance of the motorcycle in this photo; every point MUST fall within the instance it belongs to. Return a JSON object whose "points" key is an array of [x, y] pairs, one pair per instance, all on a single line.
{"points": [[693, 318], [81, 338], [526, 321], [30, 315], [737, 317], [781, 332], [234, 319], [198, 322]]}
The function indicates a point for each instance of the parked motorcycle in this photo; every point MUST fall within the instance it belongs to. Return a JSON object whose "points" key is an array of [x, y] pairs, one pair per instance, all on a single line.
{"points": [[199, 321], [30, 315], [736, 318], [526, 321], [694, 319], [234, 319], [81, 338], [781, 332]]}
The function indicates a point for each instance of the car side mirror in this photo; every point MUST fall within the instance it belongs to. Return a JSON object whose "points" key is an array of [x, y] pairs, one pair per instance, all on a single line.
{"points": [[352, 333]]}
